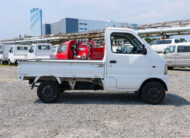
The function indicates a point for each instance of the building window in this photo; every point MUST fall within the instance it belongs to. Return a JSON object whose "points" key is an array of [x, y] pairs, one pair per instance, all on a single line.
{"points": [[83, 29], [83, 24]]}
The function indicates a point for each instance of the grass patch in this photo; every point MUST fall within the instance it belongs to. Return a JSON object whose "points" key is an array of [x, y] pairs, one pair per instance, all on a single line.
{"points": [[7, 65]]}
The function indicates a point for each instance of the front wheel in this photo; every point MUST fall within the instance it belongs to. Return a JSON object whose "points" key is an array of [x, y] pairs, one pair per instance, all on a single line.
{"points": [[48, 91], [153, 92]]}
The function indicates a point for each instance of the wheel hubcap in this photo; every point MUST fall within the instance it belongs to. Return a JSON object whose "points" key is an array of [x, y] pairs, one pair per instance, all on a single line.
{"points": [[154, 93], [48, 92]]}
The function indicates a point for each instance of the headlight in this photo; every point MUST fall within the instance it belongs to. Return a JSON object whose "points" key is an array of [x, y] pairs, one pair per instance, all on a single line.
{"points": [[166, 70]]}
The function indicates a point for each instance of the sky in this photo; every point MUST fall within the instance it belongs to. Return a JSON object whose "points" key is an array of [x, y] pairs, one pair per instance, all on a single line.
{"points": [[15, 14]]}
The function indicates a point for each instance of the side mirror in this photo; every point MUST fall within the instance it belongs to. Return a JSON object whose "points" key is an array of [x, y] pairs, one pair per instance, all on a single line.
{"points": [[144, 50]]}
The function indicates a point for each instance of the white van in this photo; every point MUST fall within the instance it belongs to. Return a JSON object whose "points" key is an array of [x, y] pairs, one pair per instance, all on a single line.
{"points": [[160, 45], [17, 52], [177, 55], [4, 51], [40, 51]]}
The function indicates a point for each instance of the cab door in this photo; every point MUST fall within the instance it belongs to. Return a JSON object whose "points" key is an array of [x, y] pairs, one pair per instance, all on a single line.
{"points": [[31, 52], [183, 56], [128, 60]]}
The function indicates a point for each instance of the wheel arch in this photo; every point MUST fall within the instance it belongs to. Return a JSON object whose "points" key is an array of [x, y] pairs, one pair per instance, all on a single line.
{"points": [[154, 79], [47, 78]]}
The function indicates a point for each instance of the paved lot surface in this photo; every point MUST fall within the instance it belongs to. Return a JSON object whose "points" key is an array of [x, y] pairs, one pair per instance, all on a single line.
{"points": [[93, 114]]}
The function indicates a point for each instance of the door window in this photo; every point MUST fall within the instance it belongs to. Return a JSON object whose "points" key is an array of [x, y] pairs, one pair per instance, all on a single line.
{"points": [[170, 49], [22, 48], [182, 49], [125, 43], [44, 47], [63, 48]]}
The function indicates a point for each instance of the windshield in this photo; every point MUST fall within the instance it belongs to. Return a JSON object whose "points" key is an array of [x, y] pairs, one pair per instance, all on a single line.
{"points": [[63, 48], [160, 42]]}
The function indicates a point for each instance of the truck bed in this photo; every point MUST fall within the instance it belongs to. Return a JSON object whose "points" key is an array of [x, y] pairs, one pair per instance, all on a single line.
{"points": [[61, 68]]}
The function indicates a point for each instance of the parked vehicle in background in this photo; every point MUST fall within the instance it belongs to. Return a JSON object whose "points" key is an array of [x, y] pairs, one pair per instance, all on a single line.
{"points": [[40, 51], [1, 53], [17, 52], [66, 50], [54, 55], [55, 47], [177, 55], [160, 45], [4, 51], [138, 69], [90, 50]]}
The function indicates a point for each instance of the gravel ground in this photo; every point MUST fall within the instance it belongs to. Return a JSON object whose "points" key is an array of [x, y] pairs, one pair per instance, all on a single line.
{"points": [[93, 114]]}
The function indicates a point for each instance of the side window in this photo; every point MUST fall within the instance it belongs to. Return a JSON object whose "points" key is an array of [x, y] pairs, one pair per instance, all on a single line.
{"points": [[125, 43], [44, 47], [170, 49], [183, 49], [177, 41], [22, 48]]}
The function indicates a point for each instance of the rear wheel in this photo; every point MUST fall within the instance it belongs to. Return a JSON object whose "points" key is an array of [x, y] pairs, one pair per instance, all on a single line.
{"points": [[49, 91], [153, 92]]}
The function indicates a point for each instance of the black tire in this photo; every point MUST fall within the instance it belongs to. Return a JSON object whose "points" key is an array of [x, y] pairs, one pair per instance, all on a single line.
{"points": [[48, 91], [153, 92]]}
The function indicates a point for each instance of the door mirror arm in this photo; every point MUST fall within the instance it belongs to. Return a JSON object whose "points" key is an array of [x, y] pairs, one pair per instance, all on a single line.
{"points": [[144, 50]]}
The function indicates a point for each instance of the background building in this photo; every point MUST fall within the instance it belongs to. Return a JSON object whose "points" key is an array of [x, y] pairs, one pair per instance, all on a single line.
{"points": [[36, 22], [72, 25]]}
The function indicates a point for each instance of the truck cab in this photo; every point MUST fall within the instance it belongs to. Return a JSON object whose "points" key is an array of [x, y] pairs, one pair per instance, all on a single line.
{"points": [[40, 51], [65, 51], [4, 53], [17, 52]]}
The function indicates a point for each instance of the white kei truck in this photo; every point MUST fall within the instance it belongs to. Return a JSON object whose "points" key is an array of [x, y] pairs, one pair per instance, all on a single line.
{"points": [[17, 52], [140, 70], [4, 52], [40, 51]]}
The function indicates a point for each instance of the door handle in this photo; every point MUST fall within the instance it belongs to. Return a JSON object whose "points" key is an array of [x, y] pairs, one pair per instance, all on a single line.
{"points": [[113, 61]]}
